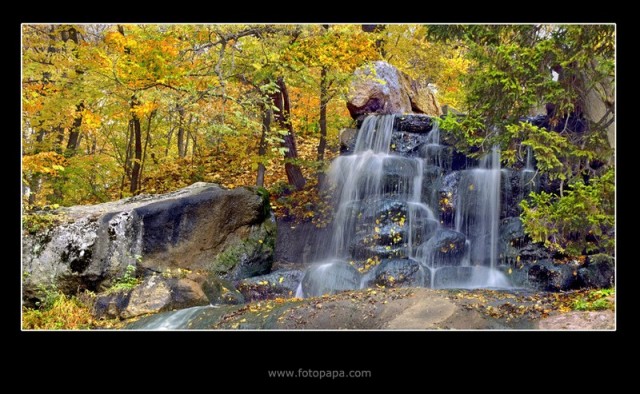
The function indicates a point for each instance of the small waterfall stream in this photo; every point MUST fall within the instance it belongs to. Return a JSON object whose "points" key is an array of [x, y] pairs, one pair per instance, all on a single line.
{"points": [[385, 211], [174, 320]]}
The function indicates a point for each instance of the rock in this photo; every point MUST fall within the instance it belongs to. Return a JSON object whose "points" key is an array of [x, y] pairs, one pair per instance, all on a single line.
{"points": [[220, 291], [298, 243], [437, 155], [248, 257], [397, 175], [413, 123], [601, 320], [151, 296], [398, 273], [381, 88], [512, 240], [448, 277], [278, 284], [422, 98], [515, 186], [445, 247], [517, 274], [186, 293], [110, 305], [154, 294], [545, 275], [408, 144], [533, 252], [381, 228], [192, 228], [598, 271], [348, 140], [329, 278]]}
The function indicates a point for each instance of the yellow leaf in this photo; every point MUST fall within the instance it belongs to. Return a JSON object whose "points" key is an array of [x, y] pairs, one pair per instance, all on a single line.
{"points": [[376, 229], [280, 280]]}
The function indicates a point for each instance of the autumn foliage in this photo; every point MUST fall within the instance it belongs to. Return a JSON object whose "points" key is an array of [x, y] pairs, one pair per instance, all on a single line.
{"points": [[111, 111]]}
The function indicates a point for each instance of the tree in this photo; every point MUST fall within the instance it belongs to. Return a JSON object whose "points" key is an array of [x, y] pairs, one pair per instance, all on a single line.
{"points": [[283, 116], [511, 77], [324, 58]]}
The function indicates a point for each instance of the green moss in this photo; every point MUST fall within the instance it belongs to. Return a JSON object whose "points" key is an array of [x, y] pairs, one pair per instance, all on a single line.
{"points": [[127, 282], [259, 243], [37, 222]]}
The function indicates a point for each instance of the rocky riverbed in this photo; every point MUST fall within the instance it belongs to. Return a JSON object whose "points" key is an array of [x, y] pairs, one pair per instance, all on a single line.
{"points": [[395, 309]]}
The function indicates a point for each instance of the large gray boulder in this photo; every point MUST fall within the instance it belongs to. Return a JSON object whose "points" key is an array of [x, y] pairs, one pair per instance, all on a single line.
{"points": [[202, 228], [382, 89]]}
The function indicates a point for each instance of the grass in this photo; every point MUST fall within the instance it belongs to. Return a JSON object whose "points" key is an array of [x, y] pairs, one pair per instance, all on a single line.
{"points": [[595, 300], [127, 282], [61, 312]]}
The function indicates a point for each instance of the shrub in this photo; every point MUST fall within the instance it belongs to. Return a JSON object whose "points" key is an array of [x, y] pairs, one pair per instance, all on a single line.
{"points": [[580, 221]]}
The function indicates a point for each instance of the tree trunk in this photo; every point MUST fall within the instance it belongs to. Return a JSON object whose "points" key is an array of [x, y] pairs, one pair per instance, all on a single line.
{"points": [[144, 151], [281, 101], [36, 180], [262, 148], [324, 99], [182, 152], [74, 132], [137, 160], [59, 131], [127, 159]]}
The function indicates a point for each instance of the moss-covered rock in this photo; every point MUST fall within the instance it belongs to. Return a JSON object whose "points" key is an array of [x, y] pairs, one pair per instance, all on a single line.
{"points": [[249, 257]]}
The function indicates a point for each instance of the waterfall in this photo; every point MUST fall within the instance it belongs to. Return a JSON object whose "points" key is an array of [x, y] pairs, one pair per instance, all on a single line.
{"points": [[175, 320], [385, 212], [478, 210]]}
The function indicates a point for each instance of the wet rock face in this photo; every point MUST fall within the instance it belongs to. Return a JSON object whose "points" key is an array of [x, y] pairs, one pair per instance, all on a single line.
{"points": [[398, 273], [598, 271], [446, 247], [545, 275], [187, 229], [278, 284], [330, 278]]}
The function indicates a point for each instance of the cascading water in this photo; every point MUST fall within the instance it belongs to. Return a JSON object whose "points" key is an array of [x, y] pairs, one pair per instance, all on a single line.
{"points": [[385, 217], [171, 320], [478, 216]]}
